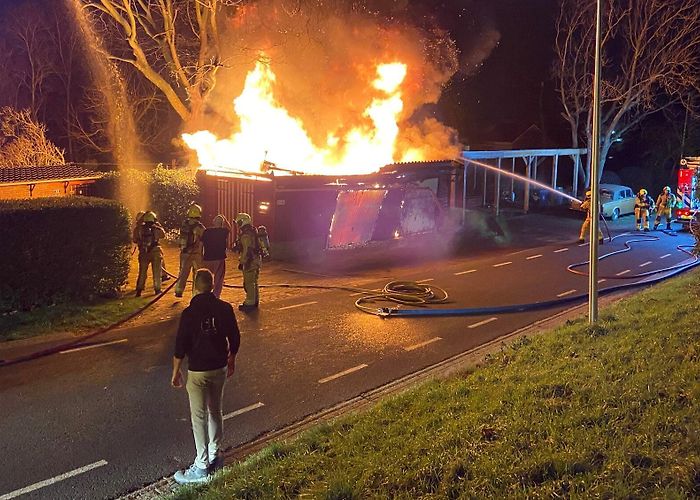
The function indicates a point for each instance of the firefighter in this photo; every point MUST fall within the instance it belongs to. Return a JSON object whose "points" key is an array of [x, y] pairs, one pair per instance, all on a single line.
{"points": [[147, 236], [643, 204], [586, 205], [190, 247], [249, 260], [664, 205]]}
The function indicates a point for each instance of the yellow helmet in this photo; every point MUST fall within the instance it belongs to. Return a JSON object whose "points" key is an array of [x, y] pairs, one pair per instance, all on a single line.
{"points": [[243, 218], [149, 217], [667, 189], [642, 192], [194, 211], [589, 193]]}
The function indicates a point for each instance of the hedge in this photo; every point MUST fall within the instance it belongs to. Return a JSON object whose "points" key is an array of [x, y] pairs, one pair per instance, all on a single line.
{"points": [[171, 191], [58, 249]]}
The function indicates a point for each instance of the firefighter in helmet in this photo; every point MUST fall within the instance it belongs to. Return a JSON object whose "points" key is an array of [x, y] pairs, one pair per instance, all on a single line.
{"points": [[147, 236], [643, 204], [190, 247], [585, 227], [249, 260], [664, 205]]}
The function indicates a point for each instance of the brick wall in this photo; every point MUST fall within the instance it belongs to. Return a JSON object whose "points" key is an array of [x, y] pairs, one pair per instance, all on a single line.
{"points": [[42, 190]]}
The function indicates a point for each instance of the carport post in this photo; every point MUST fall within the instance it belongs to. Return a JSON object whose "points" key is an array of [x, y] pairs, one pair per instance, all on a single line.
{"points": [[464, 192], [555, 167], [528, 172], [483, 203], [512, 179], [574, 187], [498, 188]]}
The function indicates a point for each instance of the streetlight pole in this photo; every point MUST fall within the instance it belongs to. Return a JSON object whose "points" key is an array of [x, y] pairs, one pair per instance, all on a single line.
{"points": [[595, 162]]}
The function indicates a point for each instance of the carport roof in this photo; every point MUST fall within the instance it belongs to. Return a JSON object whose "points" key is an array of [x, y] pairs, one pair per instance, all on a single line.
{"points": [[55, 173]]}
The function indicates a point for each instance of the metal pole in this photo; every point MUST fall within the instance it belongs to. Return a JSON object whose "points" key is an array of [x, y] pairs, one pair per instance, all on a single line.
{"points": [[528, 174], [595, 162], [464, 194], [483, 203], [498, 189], [555, 167]]}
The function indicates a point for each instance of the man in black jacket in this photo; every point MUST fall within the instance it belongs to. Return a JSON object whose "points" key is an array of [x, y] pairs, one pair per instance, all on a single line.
{"points": [[208, 335]]}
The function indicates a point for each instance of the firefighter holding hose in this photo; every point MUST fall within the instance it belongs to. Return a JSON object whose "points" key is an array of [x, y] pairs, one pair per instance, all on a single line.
{"points": [[664, 205], [585, 227], [249, 260], [643, 204], [147, 235]]}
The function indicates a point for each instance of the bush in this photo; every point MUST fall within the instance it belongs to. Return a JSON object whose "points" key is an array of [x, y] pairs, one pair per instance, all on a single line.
{"points": [[171, 191], [57, 249]]}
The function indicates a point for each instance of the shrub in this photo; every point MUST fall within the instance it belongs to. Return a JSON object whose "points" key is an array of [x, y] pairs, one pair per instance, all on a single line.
{"points": [[171, 191], [57, 249]]}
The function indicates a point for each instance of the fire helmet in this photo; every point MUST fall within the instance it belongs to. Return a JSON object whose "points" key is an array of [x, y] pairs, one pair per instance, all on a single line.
{"points": [[589, 193], [667, 189], [243, 219], [642, 192], [194, 211], [149, 217]]}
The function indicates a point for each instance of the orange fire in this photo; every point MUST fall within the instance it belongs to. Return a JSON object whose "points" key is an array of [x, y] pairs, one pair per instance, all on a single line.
{"points": [[269, 136]]}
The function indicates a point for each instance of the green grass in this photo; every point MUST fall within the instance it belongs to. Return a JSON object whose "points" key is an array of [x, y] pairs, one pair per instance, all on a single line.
{"points": [[74, 318], [606, 412]]}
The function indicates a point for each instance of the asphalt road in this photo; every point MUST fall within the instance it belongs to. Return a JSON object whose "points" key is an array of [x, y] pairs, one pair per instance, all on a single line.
{"points": [[99, 422]]}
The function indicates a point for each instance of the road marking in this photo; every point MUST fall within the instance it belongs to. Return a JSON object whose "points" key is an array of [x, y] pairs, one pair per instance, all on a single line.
{"points": [[561, 250], [422, 344], [480, 323], [298, 305], [502, 264], [93, 346], [343, 373], [465, 272], [582, 244], [602, 280], [534, 256], [425, 280], [53, 480], [664, 256], [645, 263], [623, 272], [568, 292], [252, 407]]}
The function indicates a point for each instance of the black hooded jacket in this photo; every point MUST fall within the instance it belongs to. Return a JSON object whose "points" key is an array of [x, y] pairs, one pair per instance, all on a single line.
{"points": [[207, 333]]}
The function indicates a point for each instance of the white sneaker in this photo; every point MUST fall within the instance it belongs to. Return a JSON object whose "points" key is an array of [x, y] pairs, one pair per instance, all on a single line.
{"points": [[192, 474]]}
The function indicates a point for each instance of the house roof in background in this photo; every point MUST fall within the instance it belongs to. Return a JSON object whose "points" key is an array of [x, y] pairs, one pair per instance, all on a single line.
{"points": [[56, 173]]}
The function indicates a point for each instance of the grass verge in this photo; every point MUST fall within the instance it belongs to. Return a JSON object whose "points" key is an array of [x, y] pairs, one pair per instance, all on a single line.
{"points": [[74, 318], [606, 411]]}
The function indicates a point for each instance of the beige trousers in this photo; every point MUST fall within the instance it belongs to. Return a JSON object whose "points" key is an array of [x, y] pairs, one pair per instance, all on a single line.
{"points": [[206, 390], [218, 269], [585, 229], [250, 285], [154, 258], [189, 262]]}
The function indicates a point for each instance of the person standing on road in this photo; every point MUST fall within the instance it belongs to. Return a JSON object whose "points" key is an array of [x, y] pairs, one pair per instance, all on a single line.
{"points": [[208, 335], [664, 205], [643, 204], [215, 242], [147, 236], [586, 205], [190, 247], [249, 260]]}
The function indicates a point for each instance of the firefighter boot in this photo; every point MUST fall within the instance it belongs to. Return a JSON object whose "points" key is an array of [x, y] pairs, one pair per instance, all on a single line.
{"points": [[668, 226]]}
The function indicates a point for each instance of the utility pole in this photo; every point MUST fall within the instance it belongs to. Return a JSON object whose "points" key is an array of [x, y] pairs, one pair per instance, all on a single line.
{"points": [[595, 162]]}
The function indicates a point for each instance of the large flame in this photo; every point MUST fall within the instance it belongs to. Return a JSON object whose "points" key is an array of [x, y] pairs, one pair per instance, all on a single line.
{"points": [[269, 136]]}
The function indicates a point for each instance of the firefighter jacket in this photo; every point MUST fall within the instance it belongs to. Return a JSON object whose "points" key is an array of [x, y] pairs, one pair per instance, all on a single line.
{"points": [[191, 236], [147, 236], [665, 201], [586, 206], [247, 245], [644, 202]]}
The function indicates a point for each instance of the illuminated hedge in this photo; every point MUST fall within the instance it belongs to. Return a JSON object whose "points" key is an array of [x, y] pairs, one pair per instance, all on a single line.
{"points": [[58, 249]]}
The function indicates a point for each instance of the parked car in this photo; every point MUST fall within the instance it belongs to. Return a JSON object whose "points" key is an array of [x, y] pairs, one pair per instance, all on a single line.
{"points": [[615, 199]]}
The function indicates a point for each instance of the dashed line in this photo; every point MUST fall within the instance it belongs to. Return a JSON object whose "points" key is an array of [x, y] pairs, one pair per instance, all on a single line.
{"points": [[502, 264], [664, 256], [93, 346], [465, 272], [568, 292], [343, 373], [582, 244], [421, 344], [53, 480], [480, 323], [425, 280], [252, 407], [602, 280], [622, 272], [561, 250], [534, 256], [645, 264], [298, 305]]}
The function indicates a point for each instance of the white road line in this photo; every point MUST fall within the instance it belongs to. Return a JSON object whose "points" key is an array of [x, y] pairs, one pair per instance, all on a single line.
{"points": [[561, 250], [622, 272], [502, 264], [534, 256], [582, 244], [568, 292], [343, 373], [421, 344], [602, 280], [465, 272], [645, 264], [252, 407], [298, 305], [664, 256], [84, 348], [425, 280], [480, 323], [53, 480]]}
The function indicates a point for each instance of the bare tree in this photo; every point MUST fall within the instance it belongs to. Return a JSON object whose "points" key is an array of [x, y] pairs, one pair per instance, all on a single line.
{"points": [[173, 43], [651, 60], [23, 141]]}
